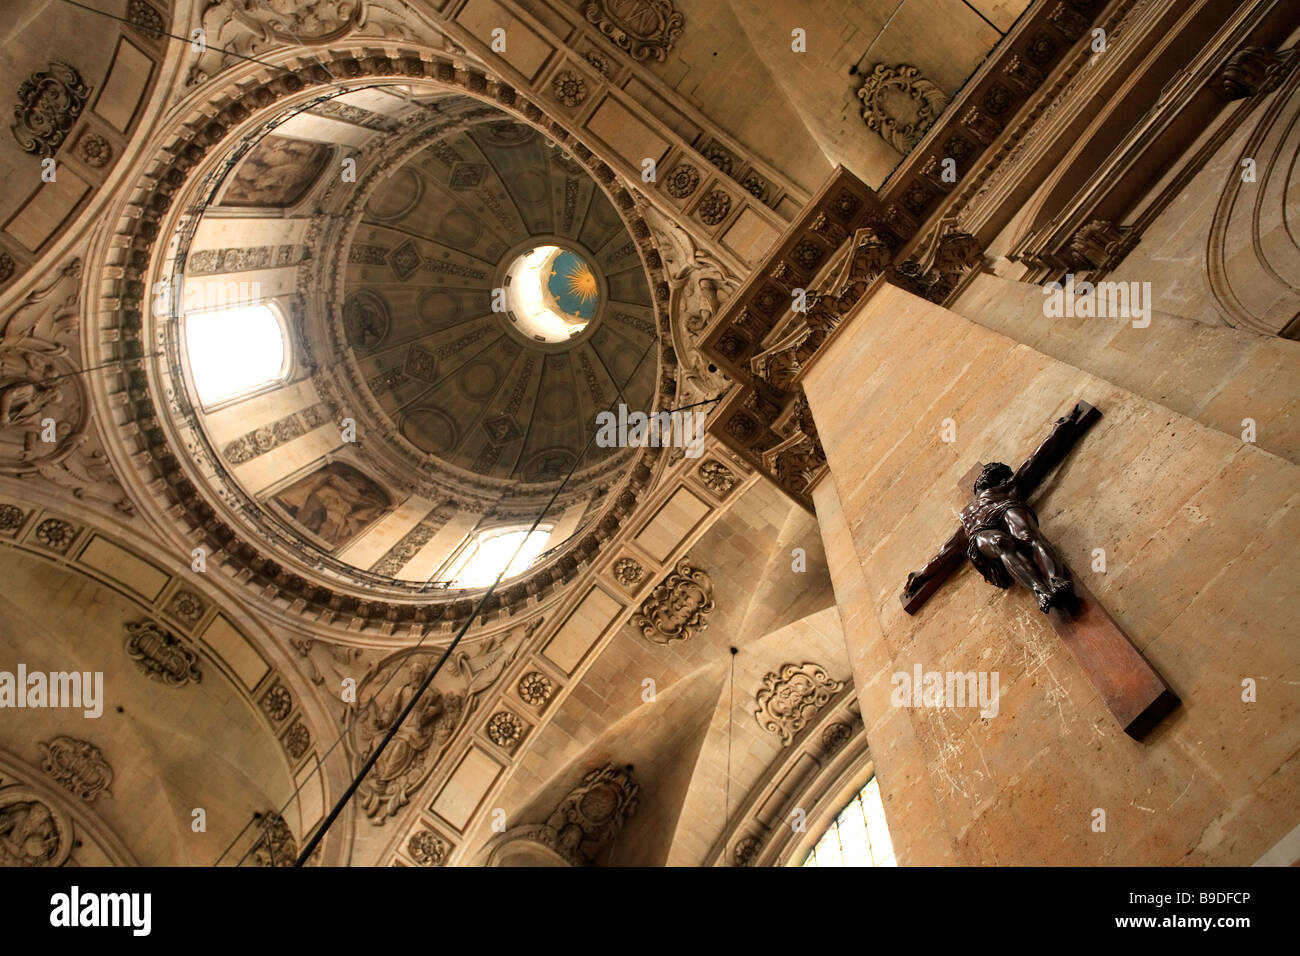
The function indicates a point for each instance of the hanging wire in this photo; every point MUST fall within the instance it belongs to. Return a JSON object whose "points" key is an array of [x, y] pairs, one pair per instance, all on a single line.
{"points": [[731, 707], [428, 680]]}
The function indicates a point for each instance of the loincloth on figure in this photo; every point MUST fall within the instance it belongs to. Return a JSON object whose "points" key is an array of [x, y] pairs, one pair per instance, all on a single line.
{"points": [[990, 518]]}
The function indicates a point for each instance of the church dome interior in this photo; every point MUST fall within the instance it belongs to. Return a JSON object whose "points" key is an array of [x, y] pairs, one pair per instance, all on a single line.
{"points": [[516, 433], [383, 412]]}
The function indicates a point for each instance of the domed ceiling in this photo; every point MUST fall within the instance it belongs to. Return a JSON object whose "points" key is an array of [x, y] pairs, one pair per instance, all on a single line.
{"points": [[495, 303], [453, 318]]}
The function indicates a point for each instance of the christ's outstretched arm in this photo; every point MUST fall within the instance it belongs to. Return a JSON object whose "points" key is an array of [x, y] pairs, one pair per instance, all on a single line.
{"points": [[1053, 448], [953, 550]]}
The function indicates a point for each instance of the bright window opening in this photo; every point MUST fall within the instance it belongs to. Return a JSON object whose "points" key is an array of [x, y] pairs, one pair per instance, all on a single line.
{"points": [[551, 293], [858, 837], [480, 563], [233, 351]]}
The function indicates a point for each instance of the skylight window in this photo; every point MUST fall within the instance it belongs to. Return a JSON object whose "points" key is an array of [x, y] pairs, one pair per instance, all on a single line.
{"points": [[482, 560], [233, 351], [858, 837], [552, 293]]}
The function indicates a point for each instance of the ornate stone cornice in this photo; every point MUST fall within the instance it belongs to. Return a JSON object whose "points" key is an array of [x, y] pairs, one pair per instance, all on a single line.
{"points": [[850, 236]]}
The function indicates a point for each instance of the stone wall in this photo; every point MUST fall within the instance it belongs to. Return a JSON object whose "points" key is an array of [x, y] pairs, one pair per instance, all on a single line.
{"points": [[1198, 529], [1216, 374]]}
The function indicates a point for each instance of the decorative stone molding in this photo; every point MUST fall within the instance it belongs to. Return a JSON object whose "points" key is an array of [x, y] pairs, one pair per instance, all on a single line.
{"points": [[535, 688], [789, 700], [677, 608], [49, 102], [38, 369], [400, 554], [900, 104], [1101, 245], [593, 812], [505, 729], [443, 709], [582, 825], [628, 572], [33, 832], [758, 318], [641, 28], [160, 656], [718, 477], [427, 848], [78, 766], [1250, 71], [275, 844]]}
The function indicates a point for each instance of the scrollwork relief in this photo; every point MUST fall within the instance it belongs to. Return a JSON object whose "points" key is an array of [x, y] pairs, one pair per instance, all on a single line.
{"points": [[790, 699], [677, 608]]}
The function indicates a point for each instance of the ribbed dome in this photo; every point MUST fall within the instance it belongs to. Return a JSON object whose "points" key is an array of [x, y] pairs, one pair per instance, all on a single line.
{"points": [[489, 391]]}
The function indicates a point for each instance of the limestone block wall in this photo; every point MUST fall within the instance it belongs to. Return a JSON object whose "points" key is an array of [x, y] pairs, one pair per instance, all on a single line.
{"points": [[1216, 374], [1198, 529]]}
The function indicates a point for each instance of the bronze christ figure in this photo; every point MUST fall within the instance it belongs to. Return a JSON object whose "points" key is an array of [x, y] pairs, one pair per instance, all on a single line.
{"points": [[999, 531]]}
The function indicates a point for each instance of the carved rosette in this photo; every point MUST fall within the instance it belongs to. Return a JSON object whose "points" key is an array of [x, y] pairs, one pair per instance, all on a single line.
{"points": [[505, 729], [78, 766], [714, 207], [790, 699], [836, 736], [678, 607], [628, 572], [160, 656], [746, 851], [682, 181], [427, 848], [569, 88], [900, 104], [642, 28], [277, 702], [535, 688], [186, 606], [55, 534]]}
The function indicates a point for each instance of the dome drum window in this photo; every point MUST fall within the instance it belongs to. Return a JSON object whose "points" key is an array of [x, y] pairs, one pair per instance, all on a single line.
{"points": [[234, 353]]}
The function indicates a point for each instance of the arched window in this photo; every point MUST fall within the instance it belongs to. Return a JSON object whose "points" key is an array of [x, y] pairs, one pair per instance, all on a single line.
{"points": [[235, 351], [482, 559], [858, 837]]}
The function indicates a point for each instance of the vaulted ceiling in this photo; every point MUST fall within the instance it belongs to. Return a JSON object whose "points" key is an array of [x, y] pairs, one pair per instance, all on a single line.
{"points": [[424, 261]]}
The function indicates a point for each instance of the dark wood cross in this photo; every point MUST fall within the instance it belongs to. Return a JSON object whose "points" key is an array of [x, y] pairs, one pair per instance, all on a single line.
{"points": [[999, 535]]}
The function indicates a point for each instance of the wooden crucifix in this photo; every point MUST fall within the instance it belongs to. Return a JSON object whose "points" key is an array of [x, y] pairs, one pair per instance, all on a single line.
{"points": [[999, 534]]}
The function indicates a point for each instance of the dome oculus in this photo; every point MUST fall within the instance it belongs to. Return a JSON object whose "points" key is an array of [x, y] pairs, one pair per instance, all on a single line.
{"points": [[552, 293]]}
